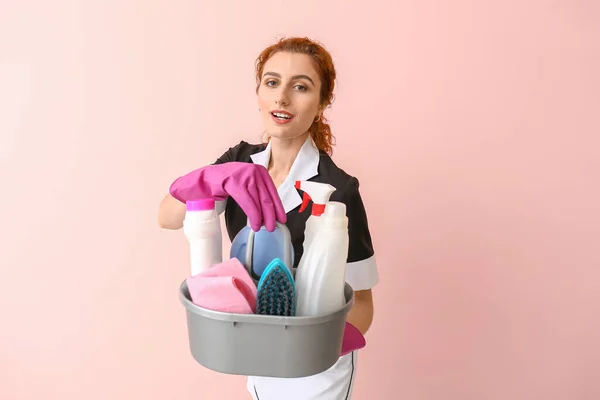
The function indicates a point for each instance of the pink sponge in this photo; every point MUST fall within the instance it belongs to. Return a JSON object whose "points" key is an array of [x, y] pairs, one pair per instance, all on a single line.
{"points": [[225, 287]]}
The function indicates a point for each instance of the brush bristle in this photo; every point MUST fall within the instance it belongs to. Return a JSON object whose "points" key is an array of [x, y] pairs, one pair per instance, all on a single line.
{"points": [[277, 295]]}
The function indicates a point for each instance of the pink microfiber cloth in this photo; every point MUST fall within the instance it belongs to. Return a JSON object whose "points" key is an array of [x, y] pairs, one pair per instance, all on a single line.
{"points": [[353, 339], [225, 287]]}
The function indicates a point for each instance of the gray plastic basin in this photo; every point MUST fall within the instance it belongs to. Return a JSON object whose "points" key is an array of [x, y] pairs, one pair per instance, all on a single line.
{"points": [[263, 345]]}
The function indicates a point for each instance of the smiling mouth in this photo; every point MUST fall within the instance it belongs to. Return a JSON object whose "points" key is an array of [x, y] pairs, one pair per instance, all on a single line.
{"points": [[282, 116]]}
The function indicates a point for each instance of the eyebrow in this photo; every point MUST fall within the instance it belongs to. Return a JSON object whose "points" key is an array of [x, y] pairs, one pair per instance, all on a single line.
{"points": [[275, 74]]}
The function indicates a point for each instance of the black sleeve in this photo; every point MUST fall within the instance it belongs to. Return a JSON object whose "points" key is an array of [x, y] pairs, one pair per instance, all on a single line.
{"points": [[360, 244]]}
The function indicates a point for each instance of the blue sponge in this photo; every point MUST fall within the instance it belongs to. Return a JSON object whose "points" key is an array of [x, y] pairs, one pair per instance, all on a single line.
{"points": [[276, 290]]}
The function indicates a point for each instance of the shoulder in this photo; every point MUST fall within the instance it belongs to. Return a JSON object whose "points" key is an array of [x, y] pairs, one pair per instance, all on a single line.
{"points": [[329, 172], [244, 150], [241, 152]]}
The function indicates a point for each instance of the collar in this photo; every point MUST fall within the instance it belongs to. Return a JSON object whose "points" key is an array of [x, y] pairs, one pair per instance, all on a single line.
{"points": [[305, 166]]}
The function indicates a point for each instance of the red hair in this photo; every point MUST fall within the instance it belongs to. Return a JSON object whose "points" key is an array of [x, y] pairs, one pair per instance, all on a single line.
{"points": [[320, 130]]}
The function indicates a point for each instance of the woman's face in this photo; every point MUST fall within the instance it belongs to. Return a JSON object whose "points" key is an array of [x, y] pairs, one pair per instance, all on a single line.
{"points": [[288, 95]]}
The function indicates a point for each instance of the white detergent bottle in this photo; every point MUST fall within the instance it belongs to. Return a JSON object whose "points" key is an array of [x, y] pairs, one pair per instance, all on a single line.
{"points": [[319, 193], [202, 228], [321, 287]]}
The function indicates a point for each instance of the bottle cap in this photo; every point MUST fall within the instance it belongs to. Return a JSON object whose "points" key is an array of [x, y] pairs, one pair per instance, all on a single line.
{"points": [[200, 204]]}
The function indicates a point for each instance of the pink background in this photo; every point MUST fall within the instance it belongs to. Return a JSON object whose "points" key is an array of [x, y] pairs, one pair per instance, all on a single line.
{"points": [[473, 127]]}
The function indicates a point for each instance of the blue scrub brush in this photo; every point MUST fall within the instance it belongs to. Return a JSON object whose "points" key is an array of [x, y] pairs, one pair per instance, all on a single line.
{"points": [[276, 293]]}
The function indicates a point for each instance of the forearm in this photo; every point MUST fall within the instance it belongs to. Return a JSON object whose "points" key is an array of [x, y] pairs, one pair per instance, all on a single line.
{"points": [[171, 213], [361, 313]]}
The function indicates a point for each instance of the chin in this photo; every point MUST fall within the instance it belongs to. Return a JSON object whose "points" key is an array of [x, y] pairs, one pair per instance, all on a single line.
{"points": [[281, 135], [285, 133]]}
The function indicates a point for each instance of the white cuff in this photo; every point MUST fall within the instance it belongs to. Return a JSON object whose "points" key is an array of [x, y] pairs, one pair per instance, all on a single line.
{"points": [[363, 274]]}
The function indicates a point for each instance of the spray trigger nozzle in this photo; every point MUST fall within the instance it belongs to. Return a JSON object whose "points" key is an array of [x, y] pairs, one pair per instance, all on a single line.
{"points": [[305, 200], [318, 192]]}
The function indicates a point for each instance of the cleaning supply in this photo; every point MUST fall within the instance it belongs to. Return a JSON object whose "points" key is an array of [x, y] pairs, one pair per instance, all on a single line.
{"points": [[353, 339], [250, 185], [276, 290], [319, 193], [257, 249], [225, 287], [202, 227], [320, 284]]}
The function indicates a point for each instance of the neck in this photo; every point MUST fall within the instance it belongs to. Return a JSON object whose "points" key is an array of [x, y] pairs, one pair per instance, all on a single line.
{"points": [[283, 154]]}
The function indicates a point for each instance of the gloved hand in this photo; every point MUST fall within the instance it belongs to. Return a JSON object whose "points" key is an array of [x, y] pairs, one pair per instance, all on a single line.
{"points": [[353, 339], [250, 185]]}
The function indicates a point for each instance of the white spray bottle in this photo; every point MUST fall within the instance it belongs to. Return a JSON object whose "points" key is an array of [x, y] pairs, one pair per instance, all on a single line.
{"points": [[319, 193], [321, 288]]}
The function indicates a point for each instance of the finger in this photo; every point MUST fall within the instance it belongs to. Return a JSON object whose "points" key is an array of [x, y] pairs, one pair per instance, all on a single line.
{"points": [[245, 197], [277, 204], [256, 220], [266, 204]]}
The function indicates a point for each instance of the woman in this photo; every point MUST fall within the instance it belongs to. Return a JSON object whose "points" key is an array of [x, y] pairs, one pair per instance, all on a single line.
{"points": [[295, 80]]}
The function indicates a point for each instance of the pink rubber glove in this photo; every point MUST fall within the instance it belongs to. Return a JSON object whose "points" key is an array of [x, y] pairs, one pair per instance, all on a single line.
{"points": [[353, 339], [250, 185]]}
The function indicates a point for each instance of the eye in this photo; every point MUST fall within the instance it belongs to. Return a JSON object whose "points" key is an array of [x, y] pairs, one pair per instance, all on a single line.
{"points": [[301, 88], [270, 83]]}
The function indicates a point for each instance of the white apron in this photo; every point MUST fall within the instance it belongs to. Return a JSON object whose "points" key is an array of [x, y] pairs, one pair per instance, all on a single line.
{"points": [[334, 384]]}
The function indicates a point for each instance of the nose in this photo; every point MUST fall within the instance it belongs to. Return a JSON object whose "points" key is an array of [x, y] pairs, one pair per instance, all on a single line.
{"points": [[282, 98]]}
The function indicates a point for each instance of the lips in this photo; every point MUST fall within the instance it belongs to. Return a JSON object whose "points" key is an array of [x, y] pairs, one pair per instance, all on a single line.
{"points": [[281, 116]]}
